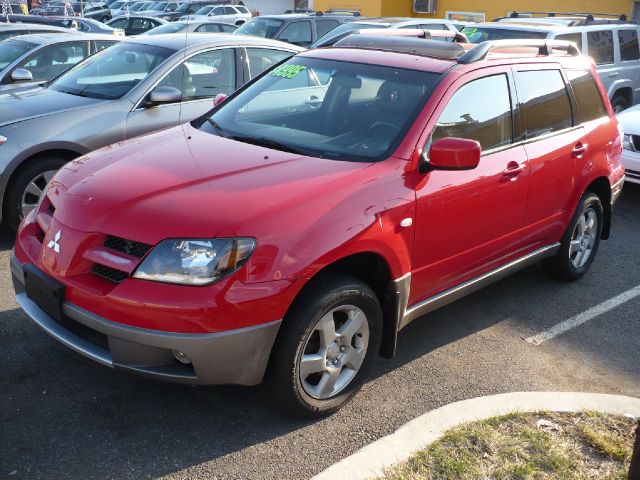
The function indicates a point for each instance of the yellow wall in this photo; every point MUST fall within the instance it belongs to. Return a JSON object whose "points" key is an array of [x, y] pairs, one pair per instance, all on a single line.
{"points": [[492, 8]]}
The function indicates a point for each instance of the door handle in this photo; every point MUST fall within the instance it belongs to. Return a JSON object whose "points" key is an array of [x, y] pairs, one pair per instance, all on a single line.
{"points": [[313, 101], [513, 169], [579, 150]]}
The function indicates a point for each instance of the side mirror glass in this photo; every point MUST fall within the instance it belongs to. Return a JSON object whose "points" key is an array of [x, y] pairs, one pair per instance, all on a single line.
{"points": [[219, 98], [21, 75], [162, 95], [454, 154]]}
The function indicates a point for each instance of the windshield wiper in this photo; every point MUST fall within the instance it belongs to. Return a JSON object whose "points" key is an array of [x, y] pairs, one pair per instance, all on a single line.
{"points": [[217, 127], [274, 144]]}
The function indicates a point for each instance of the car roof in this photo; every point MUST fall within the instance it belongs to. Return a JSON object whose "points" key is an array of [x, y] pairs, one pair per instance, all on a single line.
{"points": [[179, 41], [295, 16], [55, 37], [549, 27], [31, 27]]}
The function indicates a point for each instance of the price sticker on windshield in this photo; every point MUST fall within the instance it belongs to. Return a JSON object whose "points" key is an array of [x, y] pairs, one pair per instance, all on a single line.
{"points": [[287, 71]]}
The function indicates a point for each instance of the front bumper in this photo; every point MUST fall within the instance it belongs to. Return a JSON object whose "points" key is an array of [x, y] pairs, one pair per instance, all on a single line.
{"points": [[631, 163], [231, 357]]}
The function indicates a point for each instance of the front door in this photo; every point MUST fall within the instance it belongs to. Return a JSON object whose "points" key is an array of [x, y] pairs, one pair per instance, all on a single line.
{"points": [[469, 222]]}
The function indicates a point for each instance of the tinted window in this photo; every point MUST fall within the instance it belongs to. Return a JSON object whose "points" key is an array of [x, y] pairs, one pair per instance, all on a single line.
{"points": [[473, 114], [208, 27], [218, 11], [433, 26], [324, 26], [119, 23], [628, 45], [141, 24], [572, 37], [601, 46], [204, 75], [590, 106], [229, 11], [12, 50], [241, 9], [546, 104], [102, 44], [227, 28], [262, 58], [479, 35], [261, 27], [298, 33]]}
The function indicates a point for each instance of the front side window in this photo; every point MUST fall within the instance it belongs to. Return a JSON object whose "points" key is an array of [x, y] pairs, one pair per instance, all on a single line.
{"points": [[629, 45], [261, 59], [12, 50], [361, 113], [590, 106], [601, 46], [217, 11], [474, 115], [119, 23], [204, 75], [571, 37], [545, 101], [112, 73], [260, 27], [298, 33], [50, 62]]}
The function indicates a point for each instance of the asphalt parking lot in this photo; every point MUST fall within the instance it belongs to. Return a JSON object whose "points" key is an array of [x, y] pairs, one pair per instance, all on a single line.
{"points": [[62, 416]]}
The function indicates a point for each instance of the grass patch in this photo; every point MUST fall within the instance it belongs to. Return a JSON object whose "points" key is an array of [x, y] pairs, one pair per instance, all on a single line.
{"points": [[537, 446]]}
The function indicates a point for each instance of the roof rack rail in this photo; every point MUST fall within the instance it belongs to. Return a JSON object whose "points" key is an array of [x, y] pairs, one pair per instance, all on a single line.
{"points": [[588, 16], [545, 47], [403, 43], [343, 11], [456, 37]]}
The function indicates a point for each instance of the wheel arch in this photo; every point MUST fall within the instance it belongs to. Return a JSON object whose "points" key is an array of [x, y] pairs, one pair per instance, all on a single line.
{"points": [[601, 187], [622, 89]]}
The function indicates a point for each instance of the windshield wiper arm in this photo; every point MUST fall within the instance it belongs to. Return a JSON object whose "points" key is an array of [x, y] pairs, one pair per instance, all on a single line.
{"points": [[217, 127], [268, 143]]}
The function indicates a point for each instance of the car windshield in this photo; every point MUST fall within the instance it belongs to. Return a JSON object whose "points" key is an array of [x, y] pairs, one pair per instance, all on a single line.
{"points": [[172, 27], [340, 31], [158, 7], [112, 73], [116, 5], [12, 50], [183, 7], [325, 108], [482, 34], [204, 10], [260, 27], [138, 6]]}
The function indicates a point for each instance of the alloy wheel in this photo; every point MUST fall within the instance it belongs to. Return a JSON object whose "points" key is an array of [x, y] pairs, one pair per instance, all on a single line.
{"points": [[35, 188], [334, 351], [583, 238]]}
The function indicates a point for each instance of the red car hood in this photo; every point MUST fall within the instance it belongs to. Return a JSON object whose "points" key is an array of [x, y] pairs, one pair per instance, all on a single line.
{"points": [[182, 182]]}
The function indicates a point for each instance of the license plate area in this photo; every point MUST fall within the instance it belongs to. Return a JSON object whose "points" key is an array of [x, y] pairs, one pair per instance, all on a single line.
{"points": [[44, 291]]}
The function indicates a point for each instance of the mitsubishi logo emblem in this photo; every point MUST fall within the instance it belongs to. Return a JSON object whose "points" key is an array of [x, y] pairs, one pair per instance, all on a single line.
{"points": [[54, 243]]}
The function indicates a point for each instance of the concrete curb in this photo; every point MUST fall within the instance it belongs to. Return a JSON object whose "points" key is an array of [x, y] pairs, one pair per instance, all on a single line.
{"points": [[370, 461]]}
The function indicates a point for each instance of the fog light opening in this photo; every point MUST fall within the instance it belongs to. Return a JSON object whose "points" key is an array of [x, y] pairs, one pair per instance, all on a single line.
{"points": [[181, 357]]}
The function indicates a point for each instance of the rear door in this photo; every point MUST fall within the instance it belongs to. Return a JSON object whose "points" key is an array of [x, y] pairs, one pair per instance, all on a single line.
{"points": [[468, 222], [554, 141]]}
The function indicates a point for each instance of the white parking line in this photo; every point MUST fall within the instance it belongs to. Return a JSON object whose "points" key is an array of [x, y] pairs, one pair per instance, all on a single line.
{"points": [[584, 317]]}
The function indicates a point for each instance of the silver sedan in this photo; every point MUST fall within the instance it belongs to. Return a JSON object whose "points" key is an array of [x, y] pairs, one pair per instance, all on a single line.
{"points": [[129, 89], [33, 59]]}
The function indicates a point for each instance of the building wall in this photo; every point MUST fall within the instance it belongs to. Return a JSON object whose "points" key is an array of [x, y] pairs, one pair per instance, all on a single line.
{"points": [[492, 9]]}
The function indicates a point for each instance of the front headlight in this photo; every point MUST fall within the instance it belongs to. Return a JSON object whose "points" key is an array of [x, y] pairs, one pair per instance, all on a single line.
{"points": [[195, 262], [627, 143]]}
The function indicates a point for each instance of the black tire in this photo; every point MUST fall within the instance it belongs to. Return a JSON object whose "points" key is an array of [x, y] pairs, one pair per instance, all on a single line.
{"points": [[239, 23], [105, 19], [563, 264], [18, 183], [297, 332], [619, 103]]}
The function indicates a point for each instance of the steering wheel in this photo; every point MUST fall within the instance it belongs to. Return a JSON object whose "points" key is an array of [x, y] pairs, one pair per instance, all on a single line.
{"points": [[375, 125]]}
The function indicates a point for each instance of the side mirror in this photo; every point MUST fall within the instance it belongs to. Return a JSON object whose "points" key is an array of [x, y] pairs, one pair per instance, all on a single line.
{"points": [[219, 98], [162, 95], [21, 75], [454, 154]]}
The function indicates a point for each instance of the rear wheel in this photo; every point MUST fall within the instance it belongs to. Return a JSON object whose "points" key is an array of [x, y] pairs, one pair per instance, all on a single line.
{"points": [[580, 242], [27, 186], [326, 346], [619, 103]]}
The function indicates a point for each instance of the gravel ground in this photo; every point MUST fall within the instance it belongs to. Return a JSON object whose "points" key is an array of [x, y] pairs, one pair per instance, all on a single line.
{"points": [[65, 417]]}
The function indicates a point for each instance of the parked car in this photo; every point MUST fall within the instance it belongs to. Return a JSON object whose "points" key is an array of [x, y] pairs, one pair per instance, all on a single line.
{"points": [[185, 9], [236, 14], [299, 29], [192, 27], [79, 24], [132, 88], [321, 209], [33, 59], [120, 7], [95, 11], [159, 8], [614, 48], [630, 121], [135, 24], [346, 29], [8, 30], [135, 7]]}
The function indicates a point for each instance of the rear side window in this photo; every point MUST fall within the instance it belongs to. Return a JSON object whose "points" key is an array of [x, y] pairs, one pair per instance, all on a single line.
{"points": [[324, 26], [590, 106], [473, 114], [601, 46], [628, 45], [545, 102], [571, 37]]}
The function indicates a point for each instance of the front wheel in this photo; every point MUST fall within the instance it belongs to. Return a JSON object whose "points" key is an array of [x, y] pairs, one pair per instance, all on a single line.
{"points": [[326, 346], [27, 186], [580, 242]]}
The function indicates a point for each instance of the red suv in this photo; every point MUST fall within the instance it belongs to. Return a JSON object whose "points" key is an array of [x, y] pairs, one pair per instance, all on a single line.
{"points": [[290, 233]]}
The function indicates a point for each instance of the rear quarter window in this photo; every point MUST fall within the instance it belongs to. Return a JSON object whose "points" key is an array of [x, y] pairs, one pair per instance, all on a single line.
{"points": [[572, 37], [587, 95], [545, 102], [628, 45]]}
